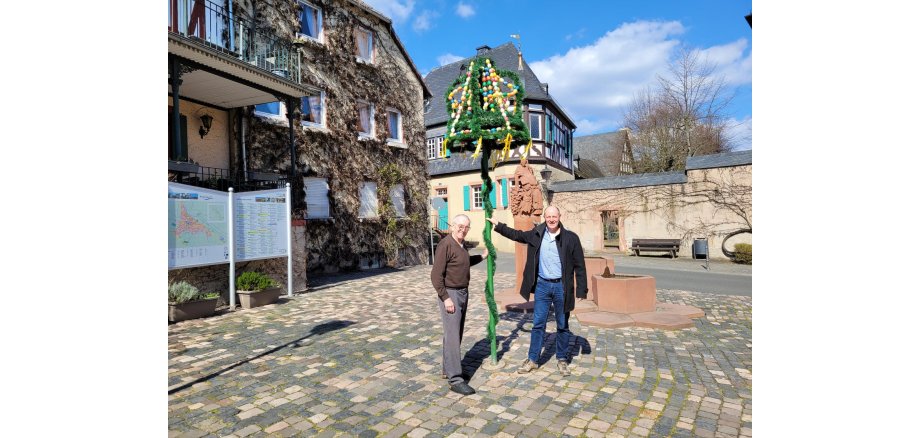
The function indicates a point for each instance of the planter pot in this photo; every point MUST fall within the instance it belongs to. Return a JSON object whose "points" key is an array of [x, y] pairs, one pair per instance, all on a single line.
{"points": [[250, 299], [192, 310]]}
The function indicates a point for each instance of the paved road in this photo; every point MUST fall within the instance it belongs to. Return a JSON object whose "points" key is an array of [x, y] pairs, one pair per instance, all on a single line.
{"points": [[722, 277]]}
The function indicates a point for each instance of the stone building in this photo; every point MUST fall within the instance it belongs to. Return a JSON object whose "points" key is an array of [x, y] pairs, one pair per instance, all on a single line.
{"points": [[321, 94]]}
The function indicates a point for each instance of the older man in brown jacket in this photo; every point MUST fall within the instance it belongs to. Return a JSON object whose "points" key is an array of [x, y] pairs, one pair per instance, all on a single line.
{"points": [[450, 277]]}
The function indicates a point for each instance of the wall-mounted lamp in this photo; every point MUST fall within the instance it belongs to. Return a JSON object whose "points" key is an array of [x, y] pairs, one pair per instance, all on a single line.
{"points": [[546, 173], [205, 125]]}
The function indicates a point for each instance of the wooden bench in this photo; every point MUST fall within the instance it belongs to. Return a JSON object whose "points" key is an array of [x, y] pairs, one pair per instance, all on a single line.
{"points": [[667, 245]]}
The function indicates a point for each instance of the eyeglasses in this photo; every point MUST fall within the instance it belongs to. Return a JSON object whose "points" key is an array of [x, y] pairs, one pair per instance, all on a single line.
{"points": [[462, 227]]}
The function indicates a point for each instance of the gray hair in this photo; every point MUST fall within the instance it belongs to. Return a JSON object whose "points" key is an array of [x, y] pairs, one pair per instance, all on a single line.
{"points": [[460, 216]]}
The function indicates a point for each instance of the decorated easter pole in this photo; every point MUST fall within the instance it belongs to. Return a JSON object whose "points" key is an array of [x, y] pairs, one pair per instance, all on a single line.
{"points": [[486, 117]]}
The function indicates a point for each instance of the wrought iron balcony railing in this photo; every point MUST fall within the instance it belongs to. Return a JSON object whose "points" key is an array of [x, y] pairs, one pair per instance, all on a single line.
{"points": [[222, 179], [216, 27]]}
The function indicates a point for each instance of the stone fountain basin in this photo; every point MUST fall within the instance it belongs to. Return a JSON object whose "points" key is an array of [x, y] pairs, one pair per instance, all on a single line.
{"points": [[625, 293]]}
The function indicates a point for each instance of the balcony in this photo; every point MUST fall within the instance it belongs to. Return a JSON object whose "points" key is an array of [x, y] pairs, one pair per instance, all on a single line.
{"points": [[222, 179], [211, 25]]}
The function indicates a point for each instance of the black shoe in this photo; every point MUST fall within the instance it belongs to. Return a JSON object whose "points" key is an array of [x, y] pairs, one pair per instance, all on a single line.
{"points": [[462, 388]]}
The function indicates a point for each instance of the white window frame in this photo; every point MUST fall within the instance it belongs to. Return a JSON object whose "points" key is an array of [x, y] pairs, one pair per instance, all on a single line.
{"points": [[368, 200], [438, 143], [362, 134], [541, 122], [398, 140], [398, 189], [476, 193], [319, 23], [322, 112], [370, 35], [440, 191], [317, 191]]}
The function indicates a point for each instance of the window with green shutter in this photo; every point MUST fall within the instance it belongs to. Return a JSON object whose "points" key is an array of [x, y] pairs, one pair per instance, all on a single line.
{"points": [[466, 198]]}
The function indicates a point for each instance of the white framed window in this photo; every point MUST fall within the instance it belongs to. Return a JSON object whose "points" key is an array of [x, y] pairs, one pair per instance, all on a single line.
{"points": [[311, 22], [365, 119], [435, 147], [398, 200], [536, 131], [534, 107], [477, 196], [440, 191], [364, 44], [317, 198], [368, 208], [394, 125], [313, 109]]}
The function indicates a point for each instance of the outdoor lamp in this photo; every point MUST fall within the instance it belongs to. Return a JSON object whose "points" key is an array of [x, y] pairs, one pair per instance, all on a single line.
{"points": [[205, 125], [546, 173]]}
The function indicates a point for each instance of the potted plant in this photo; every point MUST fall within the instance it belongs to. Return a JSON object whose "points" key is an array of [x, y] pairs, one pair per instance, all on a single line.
{"points": [[256, 289], [187, 302]]}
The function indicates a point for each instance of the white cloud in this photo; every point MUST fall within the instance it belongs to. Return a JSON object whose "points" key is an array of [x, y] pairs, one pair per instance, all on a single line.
{"points": [[730, 61], [464, 10], [396, 10], [424, 21], [740, 133], [596, 82], [448, 58]]}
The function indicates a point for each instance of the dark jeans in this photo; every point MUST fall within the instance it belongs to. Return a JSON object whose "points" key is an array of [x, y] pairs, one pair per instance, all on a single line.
{"points": [[545, 294]]}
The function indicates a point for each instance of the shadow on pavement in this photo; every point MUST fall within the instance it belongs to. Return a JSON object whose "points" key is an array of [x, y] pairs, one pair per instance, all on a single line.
{"points": [[482, 350], [317, 330], [325, 281]]}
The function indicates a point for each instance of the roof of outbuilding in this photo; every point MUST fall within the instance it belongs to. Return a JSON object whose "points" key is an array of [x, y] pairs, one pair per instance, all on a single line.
{"points": [[620, 182], [605, 150], [504, 57], [725, 159]]}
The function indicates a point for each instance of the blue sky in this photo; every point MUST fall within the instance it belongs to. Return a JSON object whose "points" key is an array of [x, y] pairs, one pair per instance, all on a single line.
{"points": [[594, 54]]}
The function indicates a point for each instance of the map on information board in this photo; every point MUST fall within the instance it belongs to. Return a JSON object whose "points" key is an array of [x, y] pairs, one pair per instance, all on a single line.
{"points": [[260, 224], [198, 226]]}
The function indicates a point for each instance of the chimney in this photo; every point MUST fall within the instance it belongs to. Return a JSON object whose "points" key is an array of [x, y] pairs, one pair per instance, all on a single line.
{"points": [[545, 87], [481, 50]]}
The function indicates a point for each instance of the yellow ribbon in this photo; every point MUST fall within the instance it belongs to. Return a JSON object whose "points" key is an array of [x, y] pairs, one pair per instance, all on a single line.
{"points": [[526, 153], [478, 148], [506, 152]]}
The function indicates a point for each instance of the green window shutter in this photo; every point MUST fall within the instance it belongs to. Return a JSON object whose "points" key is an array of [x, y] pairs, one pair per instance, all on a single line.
{"points": [[447, 152], [505, 192], [466, 198], [492, 195]]}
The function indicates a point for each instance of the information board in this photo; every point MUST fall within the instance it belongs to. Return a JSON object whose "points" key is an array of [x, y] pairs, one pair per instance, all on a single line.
{"points": [[198, 226], [260, 224]]}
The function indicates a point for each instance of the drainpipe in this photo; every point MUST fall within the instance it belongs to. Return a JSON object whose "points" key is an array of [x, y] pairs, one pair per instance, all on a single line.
{"points": [[174, 82], [290, 114], [230, 24]]}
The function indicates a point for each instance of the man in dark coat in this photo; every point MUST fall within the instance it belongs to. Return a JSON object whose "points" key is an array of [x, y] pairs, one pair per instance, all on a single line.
{"points": [[555, 263]]}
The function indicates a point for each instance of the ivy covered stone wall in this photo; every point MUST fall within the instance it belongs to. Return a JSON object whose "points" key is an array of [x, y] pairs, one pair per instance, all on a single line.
{"points": [[334, 152]]}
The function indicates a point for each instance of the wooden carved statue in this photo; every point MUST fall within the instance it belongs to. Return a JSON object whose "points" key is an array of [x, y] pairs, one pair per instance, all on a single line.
{"points": [[527, 208]]}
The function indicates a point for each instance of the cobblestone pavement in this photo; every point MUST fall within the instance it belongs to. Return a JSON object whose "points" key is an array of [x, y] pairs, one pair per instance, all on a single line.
{"points": [[360, 356]]}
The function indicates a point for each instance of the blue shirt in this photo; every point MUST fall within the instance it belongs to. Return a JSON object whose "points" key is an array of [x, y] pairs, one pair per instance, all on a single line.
{"points": [[550, 264]]}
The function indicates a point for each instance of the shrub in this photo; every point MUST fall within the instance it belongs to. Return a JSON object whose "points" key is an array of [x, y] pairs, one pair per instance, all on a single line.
{"points": [[254, 281], [182, 292], [743, 253]]}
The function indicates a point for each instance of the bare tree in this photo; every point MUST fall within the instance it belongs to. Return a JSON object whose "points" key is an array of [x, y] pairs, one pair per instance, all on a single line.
{"points": [[683, 116]]}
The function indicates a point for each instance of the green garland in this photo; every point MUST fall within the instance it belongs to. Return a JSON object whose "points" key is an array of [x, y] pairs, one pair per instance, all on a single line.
{"points": [[475, 124]]}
